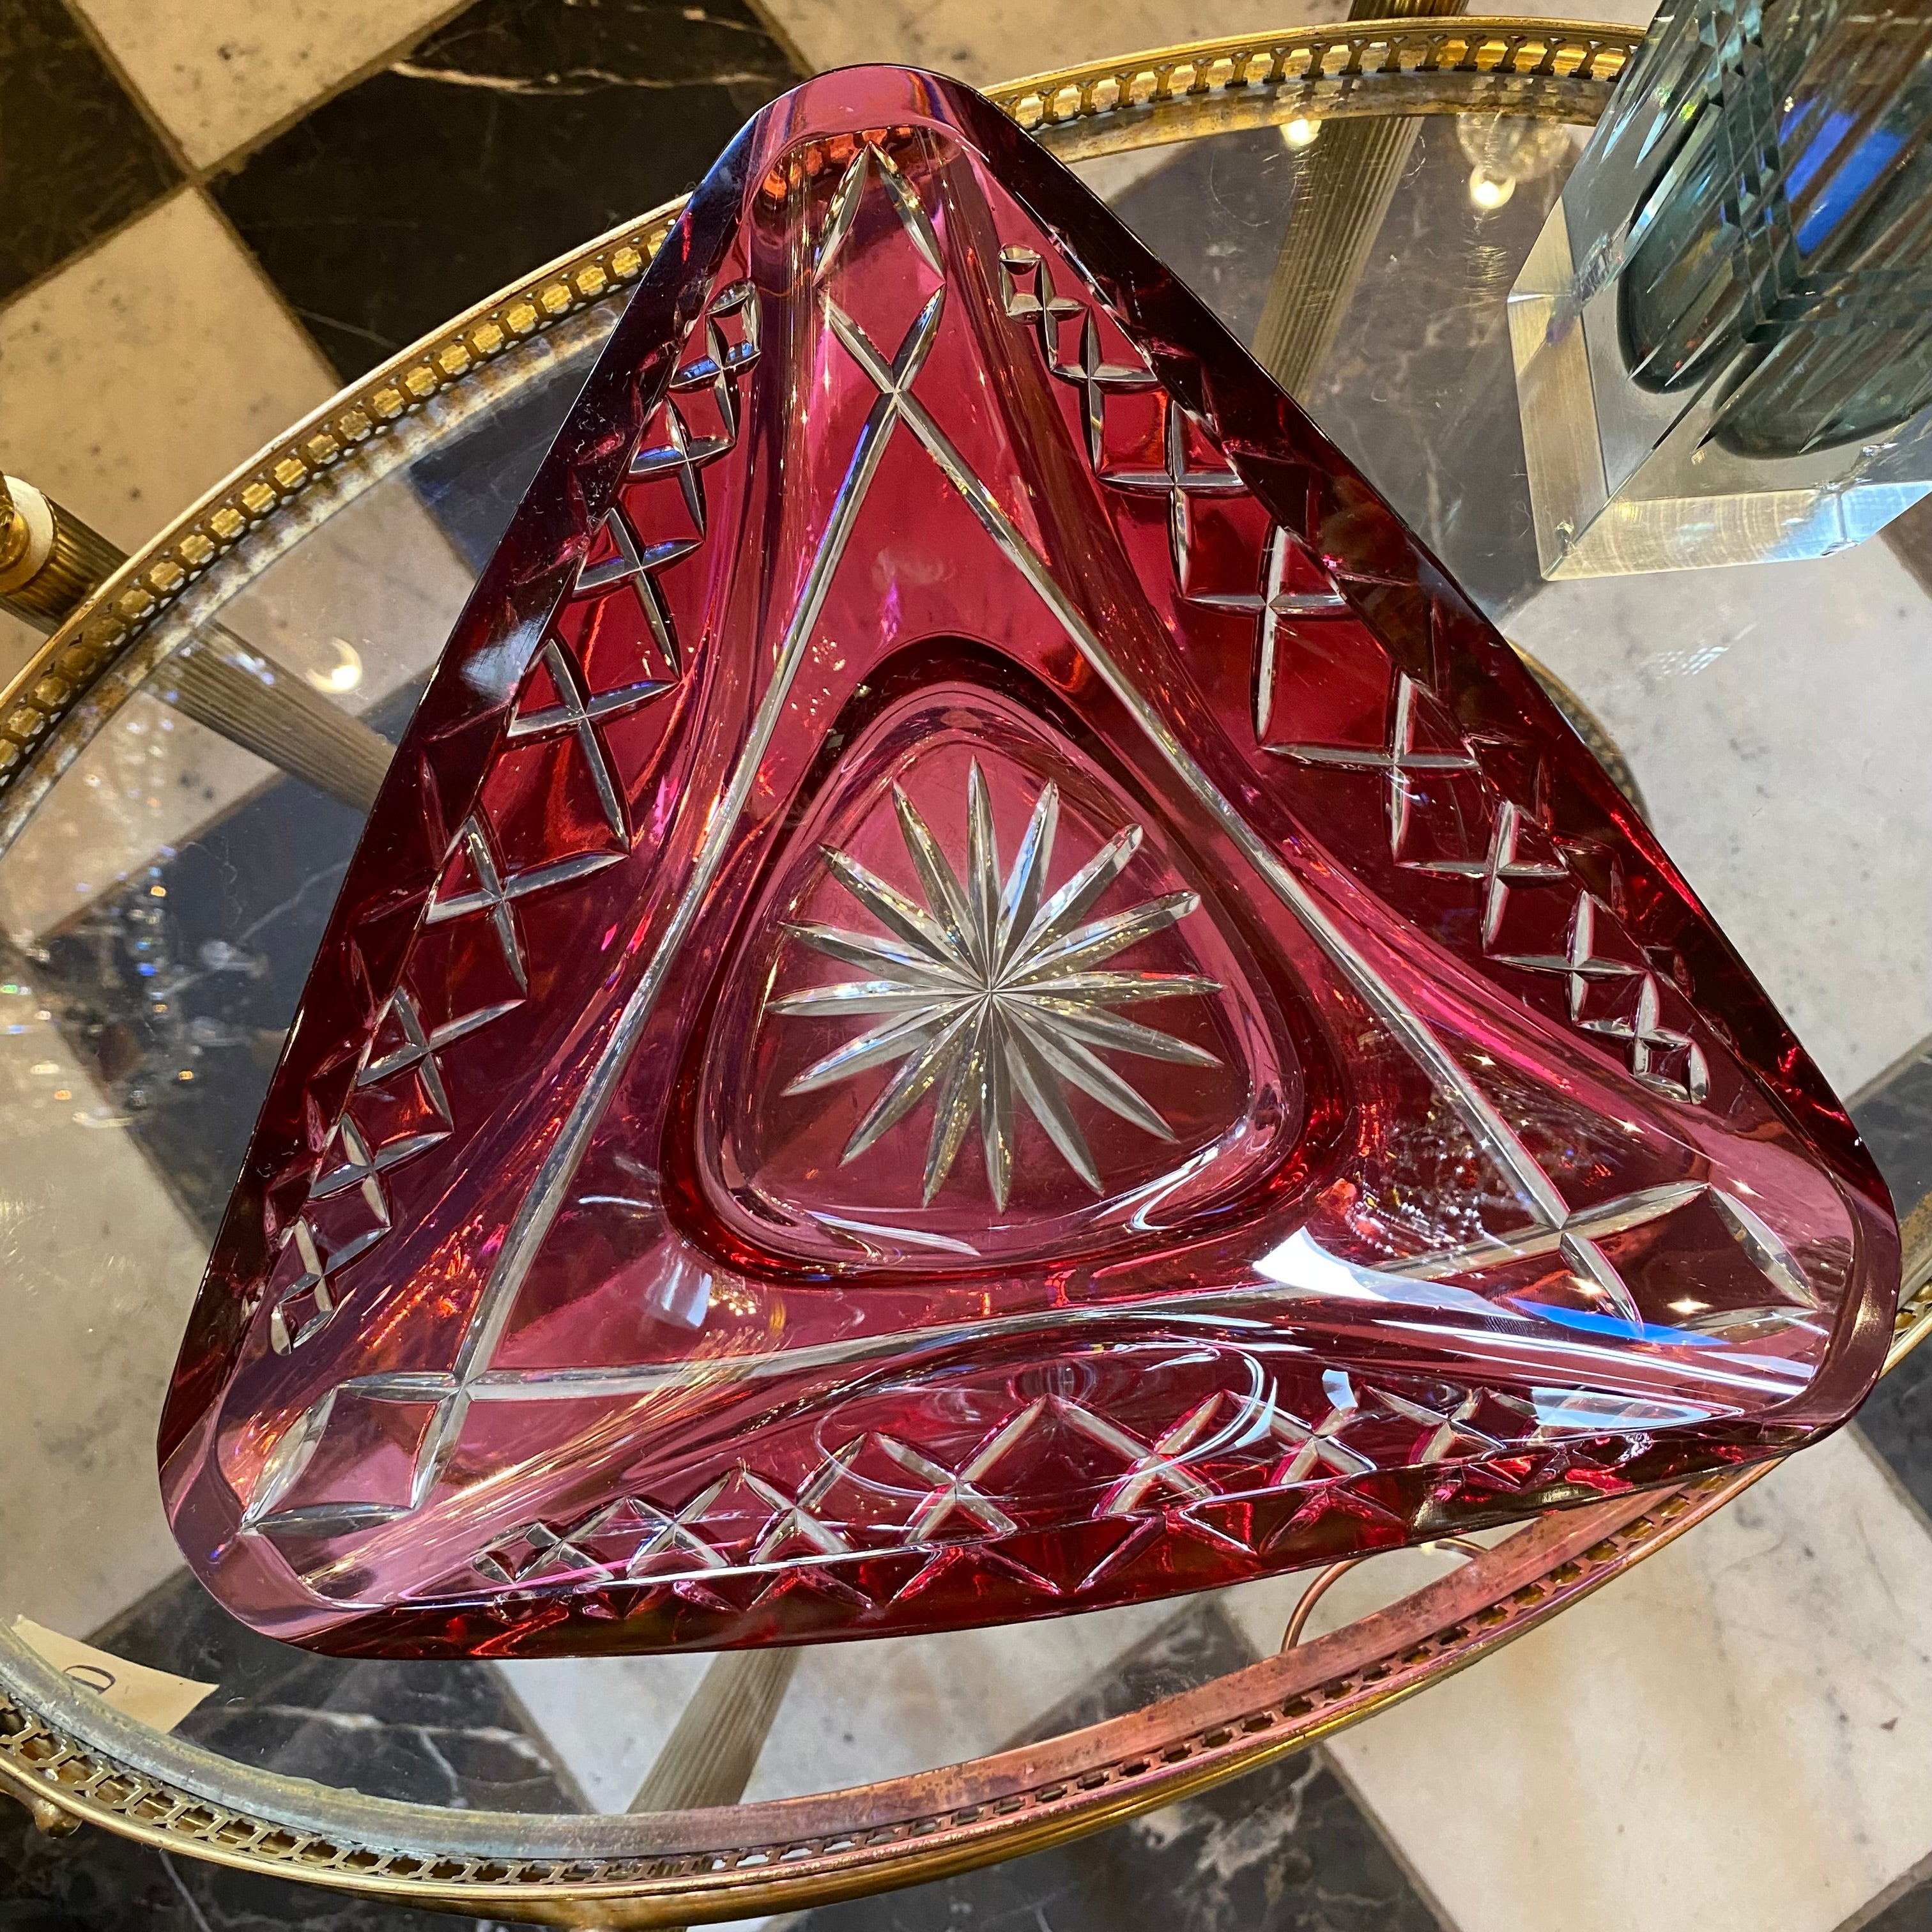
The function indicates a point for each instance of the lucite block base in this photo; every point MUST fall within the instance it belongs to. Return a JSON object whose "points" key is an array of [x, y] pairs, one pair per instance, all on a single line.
{"points": [[1623, 479]]}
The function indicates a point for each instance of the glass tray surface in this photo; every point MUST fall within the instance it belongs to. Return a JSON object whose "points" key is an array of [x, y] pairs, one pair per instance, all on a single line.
{"points": [[160, 909]]}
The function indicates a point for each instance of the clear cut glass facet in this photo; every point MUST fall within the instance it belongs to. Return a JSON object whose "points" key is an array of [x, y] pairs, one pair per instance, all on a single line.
{"points": [[977, 990]]}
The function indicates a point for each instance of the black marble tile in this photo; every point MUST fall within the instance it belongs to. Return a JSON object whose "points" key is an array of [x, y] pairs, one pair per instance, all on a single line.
{"points": [[519, 130], [201, 978], [1910, 537], [1420, 389], [1284, 1849], [1897, 1418], [95, 1882], [444, 1734], [1896, 1123], [1911, 1911], [1193, 1647], [77, 159], [450, 1734]]}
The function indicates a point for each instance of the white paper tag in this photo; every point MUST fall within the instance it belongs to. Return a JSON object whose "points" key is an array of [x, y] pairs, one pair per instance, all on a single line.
{"points": [[154, 1697]]}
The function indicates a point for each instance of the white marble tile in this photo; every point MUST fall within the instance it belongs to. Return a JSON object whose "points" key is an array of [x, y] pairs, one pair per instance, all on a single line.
{"points": [[988, 41], [1732, 1738], [856, 1712], [142, 373], [139, 376], [221, 72], [98, 1284], [1772, 716], [1261, 1611], [607, 1718]]}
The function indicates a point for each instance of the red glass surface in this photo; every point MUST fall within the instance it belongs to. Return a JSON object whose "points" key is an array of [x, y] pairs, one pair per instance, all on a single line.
{"points": [[978, 992]]}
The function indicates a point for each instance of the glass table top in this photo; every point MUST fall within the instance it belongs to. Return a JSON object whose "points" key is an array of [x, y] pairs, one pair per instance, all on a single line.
{"points": [[159, 911]]}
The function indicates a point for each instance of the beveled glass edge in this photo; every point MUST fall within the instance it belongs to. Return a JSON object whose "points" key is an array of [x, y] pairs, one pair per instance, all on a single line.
{"points": [[1447, 64]]}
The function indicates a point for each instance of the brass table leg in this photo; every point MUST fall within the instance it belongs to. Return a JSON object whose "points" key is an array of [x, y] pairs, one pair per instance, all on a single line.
{"points": [[223, 682], [50, 561], [1348, 180], [713, 1747]]}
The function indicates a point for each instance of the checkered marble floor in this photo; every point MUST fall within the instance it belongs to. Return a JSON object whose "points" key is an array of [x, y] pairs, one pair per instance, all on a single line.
{"points": [[218, 212]]}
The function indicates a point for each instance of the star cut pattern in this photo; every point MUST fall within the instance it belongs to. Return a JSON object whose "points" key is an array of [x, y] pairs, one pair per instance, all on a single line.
{"points": [[1181, 480], [732, 343], [303, 1307], [870, 163], [305, 1294], [495, 893], [995, 990], [623, 1537], [1579, 965], [578, 714]]}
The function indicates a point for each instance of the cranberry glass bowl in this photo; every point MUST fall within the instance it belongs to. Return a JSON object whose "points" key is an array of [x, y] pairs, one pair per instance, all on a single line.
{"points": [[1338, 1125]]}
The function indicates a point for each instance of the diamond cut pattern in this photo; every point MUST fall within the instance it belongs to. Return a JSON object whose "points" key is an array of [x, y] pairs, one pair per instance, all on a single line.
{"points": [[835, 1516], [1422, 740], [305, 1306]]}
